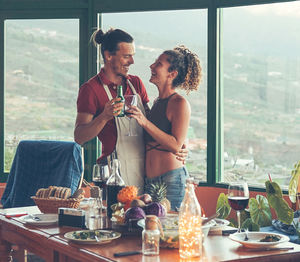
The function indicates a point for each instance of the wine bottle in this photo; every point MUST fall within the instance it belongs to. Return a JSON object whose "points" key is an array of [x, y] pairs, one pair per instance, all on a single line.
{"points": [[113, 185], [120, 95]]}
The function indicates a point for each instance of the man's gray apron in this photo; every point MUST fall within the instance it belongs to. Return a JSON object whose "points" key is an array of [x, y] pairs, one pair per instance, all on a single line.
{"points": [[130, 149]]}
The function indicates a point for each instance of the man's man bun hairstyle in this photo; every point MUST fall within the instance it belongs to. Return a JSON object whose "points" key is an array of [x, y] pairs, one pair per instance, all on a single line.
{"points": [[110, 40]]}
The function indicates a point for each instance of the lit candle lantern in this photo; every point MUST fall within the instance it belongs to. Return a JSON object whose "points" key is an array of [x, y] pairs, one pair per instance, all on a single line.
{"points": [[190, 222]]}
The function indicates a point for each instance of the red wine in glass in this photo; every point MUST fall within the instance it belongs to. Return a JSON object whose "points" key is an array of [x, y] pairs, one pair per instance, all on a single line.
{"points": [[238, 203], [100, 184], [100, 176], [238, 198]]}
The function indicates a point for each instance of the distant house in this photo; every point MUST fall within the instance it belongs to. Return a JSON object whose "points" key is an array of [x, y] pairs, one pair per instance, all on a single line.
{"points": [[244, 163]]}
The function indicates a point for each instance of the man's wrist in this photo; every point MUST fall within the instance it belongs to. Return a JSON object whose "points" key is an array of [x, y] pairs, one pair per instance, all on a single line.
{"points": [[104, 117]]}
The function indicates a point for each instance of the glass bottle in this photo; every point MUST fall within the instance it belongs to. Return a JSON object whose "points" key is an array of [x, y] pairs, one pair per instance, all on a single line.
{"points": [[120, 95], [190, 222], [113, 185], [151, 235]]}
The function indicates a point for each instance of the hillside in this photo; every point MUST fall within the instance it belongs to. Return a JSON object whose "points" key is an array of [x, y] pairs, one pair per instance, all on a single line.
{"points": [[261, 102]]}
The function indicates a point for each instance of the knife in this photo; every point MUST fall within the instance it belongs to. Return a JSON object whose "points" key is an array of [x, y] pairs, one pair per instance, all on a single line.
{"points": [[269, 249], [16, 215], [128, 253]]}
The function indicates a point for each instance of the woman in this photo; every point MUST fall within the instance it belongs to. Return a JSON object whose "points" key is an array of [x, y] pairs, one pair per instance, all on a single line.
{"points": [[167, 124]]}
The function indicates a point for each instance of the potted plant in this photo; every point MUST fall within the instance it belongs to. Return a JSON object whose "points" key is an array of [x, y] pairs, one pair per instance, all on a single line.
{"points": [[259, 212]]}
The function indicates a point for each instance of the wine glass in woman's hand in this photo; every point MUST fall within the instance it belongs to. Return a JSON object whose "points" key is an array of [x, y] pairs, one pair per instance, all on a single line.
{"points": [[130, 100], [238, 198]]}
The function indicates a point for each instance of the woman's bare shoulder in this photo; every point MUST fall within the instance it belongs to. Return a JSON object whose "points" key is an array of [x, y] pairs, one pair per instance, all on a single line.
{"points": [[179, 101], [178, 104]]}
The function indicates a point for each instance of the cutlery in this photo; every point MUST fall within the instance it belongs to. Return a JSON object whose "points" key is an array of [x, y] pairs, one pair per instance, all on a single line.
{"points": [[127, 253], [97, 239], [209, 218], [35, 218], [16, 215], [269, 249], [246, 235]]}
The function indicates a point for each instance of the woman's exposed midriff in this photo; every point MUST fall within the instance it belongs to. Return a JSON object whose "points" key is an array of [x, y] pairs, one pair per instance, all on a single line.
{"points": [[159, 162]]}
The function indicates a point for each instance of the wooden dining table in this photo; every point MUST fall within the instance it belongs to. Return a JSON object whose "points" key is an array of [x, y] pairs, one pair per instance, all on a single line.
{"points": [[49, 243]]}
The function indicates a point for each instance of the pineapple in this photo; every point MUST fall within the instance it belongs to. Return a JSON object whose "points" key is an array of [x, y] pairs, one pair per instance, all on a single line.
{"points": [[158, 192]]}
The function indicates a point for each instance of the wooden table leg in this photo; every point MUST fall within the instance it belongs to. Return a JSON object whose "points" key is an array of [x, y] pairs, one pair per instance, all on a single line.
{"points": [[5, 251], [19, 253]]}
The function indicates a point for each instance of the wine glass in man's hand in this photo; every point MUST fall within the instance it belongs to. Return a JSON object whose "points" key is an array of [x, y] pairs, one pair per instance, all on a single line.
{"points": [[130, 100], [238, 198]]}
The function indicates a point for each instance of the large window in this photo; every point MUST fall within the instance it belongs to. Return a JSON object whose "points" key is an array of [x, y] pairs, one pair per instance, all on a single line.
{"points": [[41, 81], [257, 99], [261, 69], [155, 32]]}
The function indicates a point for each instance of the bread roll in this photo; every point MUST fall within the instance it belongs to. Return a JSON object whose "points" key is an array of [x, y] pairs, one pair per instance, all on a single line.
{"points": [[55, 192]]}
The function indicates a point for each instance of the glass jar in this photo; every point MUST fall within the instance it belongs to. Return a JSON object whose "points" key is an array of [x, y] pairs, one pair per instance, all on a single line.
{"points": [[151, 236]]}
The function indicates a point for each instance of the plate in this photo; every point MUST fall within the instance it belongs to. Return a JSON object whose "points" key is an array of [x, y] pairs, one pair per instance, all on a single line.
{"points": [[104, 236], [255, 237], [219, 224], [43, 219]]}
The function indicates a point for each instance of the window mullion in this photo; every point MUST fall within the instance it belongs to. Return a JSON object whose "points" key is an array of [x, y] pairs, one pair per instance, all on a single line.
{"points": [[212, 157]]}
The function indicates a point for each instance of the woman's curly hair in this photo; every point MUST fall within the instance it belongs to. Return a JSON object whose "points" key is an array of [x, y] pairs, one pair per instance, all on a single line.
{"points": [[187, 64]]}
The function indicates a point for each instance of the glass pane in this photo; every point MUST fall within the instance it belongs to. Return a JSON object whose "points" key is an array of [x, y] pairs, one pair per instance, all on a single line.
{"points": [[155, 32], [41, 81], [261, 65]]}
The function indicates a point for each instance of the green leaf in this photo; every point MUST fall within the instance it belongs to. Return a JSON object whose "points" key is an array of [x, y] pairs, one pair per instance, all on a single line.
{"points": [[260, 211], [223, 207], [272, 188], [248, 223], [284, 213], [245, 214], [293, 186], [274, 195]]}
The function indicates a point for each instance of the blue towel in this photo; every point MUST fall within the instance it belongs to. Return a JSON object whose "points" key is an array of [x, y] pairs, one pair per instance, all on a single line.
{"points": [[288, 229], [281, 228], [39, 164]]}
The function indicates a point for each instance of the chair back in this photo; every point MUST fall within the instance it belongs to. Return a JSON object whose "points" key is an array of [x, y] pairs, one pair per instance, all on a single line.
{"points": [[40, 164]]}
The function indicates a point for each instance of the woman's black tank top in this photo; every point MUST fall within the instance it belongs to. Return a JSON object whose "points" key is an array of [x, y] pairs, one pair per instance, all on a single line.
{"points": [[158, 116]]}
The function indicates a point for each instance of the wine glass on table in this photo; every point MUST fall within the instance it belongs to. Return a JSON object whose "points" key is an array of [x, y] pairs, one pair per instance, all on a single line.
{"points": [[238, 198], [100, 176], [130, 100]]}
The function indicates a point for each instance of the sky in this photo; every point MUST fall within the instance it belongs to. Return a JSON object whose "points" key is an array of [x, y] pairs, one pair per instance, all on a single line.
{"points": [[291, 9]]}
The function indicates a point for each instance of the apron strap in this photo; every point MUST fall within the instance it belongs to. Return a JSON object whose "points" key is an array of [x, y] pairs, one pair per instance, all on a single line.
{"points": [[108, 93], [132, 87]]}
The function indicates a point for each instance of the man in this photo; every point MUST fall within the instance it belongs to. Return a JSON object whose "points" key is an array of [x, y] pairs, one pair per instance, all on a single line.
{"points": [[97, 108]]}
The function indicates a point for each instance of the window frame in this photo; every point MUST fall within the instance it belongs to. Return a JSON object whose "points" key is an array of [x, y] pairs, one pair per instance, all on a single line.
{"points": [[87, 11], [85, 52]]}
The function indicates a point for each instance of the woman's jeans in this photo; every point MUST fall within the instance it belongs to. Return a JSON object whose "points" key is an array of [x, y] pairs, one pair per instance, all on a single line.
{"points": [[175, 181]]}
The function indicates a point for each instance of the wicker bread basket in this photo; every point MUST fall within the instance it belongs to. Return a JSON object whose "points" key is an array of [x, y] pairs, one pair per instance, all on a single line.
{"points": [[51, 204]]}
